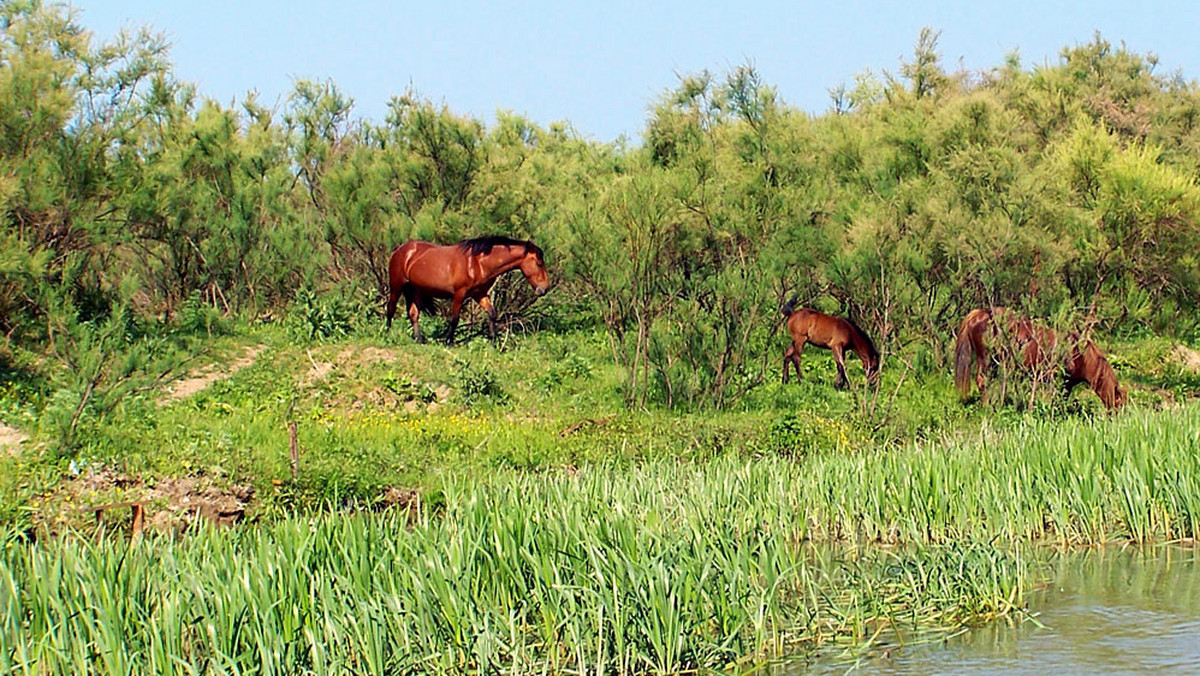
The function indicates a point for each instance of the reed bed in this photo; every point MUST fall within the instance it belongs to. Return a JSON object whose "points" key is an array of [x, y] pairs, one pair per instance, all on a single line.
{"points": [[669, 568]]}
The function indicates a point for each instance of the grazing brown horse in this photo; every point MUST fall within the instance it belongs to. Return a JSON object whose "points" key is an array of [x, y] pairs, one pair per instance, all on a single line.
{"points": [[1036, 347], [423, 271], [835, 333]]}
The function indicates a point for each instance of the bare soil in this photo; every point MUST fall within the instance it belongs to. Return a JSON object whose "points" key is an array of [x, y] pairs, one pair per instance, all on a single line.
{"points": [[11, 439], [201, 379], [173, 504], [1187, 357]]}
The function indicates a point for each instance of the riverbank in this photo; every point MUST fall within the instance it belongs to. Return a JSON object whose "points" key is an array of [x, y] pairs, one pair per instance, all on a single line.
{"points": [[668, 566]]}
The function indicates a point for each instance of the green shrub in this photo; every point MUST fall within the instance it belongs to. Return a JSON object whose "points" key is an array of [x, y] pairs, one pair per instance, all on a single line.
{"points": [[328, 316], [796, 435], [408, 389], [195, 316], [477, 383]]}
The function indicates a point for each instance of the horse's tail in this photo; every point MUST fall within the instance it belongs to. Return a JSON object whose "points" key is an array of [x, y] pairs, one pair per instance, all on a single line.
{"points": [[790, 306], [426, 304], [965, 350]]}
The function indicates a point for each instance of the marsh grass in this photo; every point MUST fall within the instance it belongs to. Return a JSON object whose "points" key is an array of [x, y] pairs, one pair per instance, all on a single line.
{"points": [[667, 570], [559, 532], [667, 567]]}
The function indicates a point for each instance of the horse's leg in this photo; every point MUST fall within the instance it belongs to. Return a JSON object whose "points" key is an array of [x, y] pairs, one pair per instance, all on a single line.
{"points": [[793, 354], [393, 297], [455, 309], [981, 363], [414, 313], [839, 356], [485, 302]]}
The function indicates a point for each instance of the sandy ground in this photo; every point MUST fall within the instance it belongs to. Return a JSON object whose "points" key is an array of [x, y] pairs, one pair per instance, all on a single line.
{"points": [[11, 439], [196, 382], [1187, 357]]}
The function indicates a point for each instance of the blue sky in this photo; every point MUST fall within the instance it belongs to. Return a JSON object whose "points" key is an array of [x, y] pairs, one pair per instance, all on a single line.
{"points": [[601, 65]]}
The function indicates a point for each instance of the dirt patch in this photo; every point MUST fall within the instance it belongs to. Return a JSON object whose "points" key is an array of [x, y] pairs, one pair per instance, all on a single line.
{"points": [[201, 379], [370, 355], [172, 504], [184, 500], [11, 439], [317, 373], [588, 423], [1187, 357], [349, 356]]}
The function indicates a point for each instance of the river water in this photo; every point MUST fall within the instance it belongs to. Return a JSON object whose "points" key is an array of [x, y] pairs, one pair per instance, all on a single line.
{"points": [[1103, 611]]}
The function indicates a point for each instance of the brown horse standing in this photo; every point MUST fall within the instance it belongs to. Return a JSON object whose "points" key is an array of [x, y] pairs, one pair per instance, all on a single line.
{"points": [[423, 271], [1036, 345], [835, 333]]}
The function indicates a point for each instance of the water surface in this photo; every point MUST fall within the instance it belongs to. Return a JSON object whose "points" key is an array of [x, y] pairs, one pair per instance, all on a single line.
{"points": [[1105, 611]]}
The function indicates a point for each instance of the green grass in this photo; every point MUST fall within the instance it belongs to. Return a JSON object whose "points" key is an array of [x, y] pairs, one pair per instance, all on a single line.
{"points": [[558, 530], [538, 402], [666, 567]]}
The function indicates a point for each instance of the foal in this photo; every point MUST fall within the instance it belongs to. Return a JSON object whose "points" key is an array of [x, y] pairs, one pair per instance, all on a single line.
{"points": [[837, 334]]}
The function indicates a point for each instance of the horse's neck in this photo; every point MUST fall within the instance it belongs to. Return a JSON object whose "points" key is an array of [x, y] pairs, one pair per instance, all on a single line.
{"points": [[504, 262], [860, 344], [1097, 370]]}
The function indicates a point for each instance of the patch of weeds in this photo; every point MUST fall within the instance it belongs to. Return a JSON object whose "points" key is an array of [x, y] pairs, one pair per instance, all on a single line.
{"points": [[571, 367], [477, 383], [796, 435], [195, 316], [331, 315], [408, 389]]}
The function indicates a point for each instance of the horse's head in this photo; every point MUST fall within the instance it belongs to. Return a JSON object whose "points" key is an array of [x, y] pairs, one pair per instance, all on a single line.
{"points": [[533, 266], [1122, 396], [873, 370]]}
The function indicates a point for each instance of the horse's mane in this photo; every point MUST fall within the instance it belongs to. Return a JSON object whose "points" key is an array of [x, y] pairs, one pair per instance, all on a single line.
{"points": [[482, 246]]}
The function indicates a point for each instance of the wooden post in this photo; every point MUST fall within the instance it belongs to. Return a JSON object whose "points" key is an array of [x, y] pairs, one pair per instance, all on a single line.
{"points": [[294, 449], [139, 520], [138, 511]]}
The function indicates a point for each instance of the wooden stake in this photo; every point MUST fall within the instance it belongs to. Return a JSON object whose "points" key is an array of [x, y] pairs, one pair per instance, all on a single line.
{"points": [[295, 449]]}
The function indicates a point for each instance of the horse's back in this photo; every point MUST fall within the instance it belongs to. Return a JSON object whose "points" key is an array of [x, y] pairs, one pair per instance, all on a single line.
{"points": [[412, 245], [434, 269], [401, 255], [819, 328]]}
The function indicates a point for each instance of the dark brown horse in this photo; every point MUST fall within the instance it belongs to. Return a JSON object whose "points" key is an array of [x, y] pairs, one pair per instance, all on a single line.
{"points": [[423, 272], [1036, 349], [835, 333]]}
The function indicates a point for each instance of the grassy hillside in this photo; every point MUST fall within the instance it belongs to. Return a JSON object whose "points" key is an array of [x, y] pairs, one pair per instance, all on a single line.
{"points": [[375, 413], [544, 527]]}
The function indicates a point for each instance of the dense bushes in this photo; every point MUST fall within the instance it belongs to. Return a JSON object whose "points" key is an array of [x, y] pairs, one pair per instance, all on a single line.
{"points": [[1067, 189]]}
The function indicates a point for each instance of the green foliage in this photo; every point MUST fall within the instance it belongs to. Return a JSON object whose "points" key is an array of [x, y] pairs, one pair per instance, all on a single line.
{"points": [[476, 382], [327, 316], [407, 388], [796, 435], [612, 577], [198, 317], [921, 196], [667, 567], [572, 367]]}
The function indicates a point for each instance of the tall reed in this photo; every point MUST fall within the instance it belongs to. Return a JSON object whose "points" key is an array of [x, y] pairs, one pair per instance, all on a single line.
{"points": [[668, 568]]}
